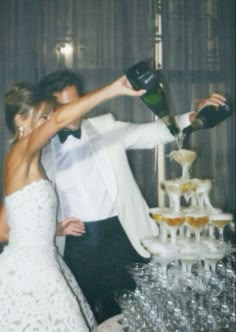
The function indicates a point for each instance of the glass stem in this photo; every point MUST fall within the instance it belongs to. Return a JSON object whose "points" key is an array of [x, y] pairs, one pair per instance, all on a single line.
{"points": [[221, 234]]}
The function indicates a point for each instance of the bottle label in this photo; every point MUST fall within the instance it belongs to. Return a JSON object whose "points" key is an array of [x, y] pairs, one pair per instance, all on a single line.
{"points": [[148, 80], [153, 98]]}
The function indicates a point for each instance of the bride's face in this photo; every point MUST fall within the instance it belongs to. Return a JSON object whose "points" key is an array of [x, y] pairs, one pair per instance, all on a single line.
{"points": [[34, 118], [25, 122], [41, 114]]}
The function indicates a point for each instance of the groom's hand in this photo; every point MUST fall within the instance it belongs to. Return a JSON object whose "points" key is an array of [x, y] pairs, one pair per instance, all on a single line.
{"points": [[215, 99]]}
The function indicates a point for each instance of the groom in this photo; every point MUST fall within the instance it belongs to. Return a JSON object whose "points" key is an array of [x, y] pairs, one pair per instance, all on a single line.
{"points": [[95, 184]]}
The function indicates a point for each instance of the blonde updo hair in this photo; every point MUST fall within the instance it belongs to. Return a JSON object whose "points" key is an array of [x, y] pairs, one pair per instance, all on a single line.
{"points": [[20, 99]]}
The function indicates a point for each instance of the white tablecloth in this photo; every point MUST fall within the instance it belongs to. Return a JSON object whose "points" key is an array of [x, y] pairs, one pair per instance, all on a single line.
{"points": [[110, 325]]}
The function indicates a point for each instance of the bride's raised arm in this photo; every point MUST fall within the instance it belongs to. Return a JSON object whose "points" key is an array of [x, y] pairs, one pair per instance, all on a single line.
{"points": [[70, 112], [4, 229]]}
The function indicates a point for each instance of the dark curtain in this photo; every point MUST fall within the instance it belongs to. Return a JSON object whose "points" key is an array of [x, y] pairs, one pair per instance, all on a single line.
{"points": [[198, 54], [107, 36]]}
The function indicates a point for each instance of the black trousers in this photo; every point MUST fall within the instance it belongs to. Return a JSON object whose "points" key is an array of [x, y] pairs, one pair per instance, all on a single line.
{"points": [[98, 261]]}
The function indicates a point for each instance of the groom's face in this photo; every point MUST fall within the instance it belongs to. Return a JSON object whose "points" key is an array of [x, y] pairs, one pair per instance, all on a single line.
{"points": [[65, 96]]}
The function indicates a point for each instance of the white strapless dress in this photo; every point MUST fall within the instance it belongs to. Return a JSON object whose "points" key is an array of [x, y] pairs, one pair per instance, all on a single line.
{"points": [[37, 290]]}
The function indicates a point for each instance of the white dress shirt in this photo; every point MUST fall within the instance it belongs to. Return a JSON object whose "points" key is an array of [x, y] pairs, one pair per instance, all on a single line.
{"points": [[82, 190]]}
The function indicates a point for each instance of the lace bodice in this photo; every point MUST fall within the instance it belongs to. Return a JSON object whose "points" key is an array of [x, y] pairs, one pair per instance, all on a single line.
{"points": [[37, 290], [31, 214]]}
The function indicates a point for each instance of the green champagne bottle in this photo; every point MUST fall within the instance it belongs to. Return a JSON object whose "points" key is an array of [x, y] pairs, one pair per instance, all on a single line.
{"points": [[141, 76], [208, 117]]}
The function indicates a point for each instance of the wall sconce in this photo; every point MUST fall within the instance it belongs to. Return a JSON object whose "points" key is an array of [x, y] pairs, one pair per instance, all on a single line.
{"points": [[64, 50]]}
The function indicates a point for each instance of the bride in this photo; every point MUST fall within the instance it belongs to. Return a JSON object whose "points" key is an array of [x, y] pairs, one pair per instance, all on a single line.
{"points": [[37, 290]]}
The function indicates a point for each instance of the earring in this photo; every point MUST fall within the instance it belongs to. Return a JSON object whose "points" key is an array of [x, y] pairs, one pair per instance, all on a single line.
{"points": [[21, 131]]}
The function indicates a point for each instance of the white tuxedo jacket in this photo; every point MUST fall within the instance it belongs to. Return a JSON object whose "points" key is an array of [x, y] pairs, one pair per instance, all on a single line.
{"points": [[109, 140]]}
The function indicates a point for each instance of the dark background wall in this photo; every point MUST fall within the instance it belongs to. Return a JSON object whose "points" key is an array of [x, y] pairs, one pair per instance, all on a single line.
{"points": [[198, 56]]}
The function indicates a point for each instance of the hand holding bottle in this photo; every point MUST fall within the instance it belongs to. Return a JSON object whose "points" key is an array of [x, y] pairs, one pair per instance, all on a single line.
{"points": [[215, 99], [211, 111]]}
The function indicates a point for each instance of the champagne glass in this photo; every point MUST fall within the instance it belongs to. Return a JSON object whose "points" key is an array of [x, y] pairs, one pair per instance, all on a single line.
{"points": [[162, 251], [171, 188], [203, 189], [137, 271], [190, 195], [174, 190], [220, 220], [185, 159], [188, 256], [173, 221], [196, 221], [214, 252], [156, 214], [125, 300], [164, 258]]}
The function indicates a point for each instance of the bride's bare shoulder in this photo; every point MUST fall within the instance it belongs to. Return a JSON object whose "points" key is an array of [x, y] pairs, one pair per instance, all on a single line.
{"points": [[17, 165], [18, 151]]}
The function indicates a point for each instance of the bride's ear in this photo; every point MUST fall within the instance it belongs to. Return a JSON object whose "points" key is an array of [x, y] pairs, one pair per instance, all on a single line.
{"points": [[19, 119], [19, 124]]}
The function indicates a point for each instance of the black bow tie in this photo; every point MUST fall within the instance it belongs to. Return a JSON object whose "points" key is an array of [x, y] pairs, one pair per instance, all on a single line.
{"points": [[63, 134]]}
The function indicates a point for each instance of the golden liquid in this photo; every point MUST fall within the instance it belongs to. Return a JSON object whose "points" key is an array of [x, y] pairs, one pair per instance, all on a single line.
{"points": [[197, 221], [175, 221], [176, 187], [188, 260], [157, 217], [193, 185], [220, 223], [185, 187], [162, 185]]}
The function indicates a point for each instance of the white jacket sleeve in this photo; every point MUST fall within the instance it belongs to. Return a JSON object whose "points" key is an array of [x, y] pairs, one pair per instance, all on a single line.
{"points": [[148, 135]]}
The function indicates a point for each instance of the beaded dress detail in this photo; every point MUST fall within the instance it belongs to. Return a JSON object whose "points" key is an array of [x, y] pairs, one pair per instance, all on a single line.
{"points": [[37, 290]]}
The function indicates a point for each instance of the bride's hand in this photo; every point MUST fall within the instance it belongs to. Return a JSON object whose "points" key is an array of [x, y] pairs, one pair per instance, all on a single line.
{"points": [[70, 226]]}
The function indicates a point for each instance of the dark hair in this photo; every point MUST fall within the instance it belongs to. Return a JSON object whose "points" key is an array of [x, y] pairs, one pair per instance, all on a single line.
{"points": [[18, 100], [58, 81]]}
